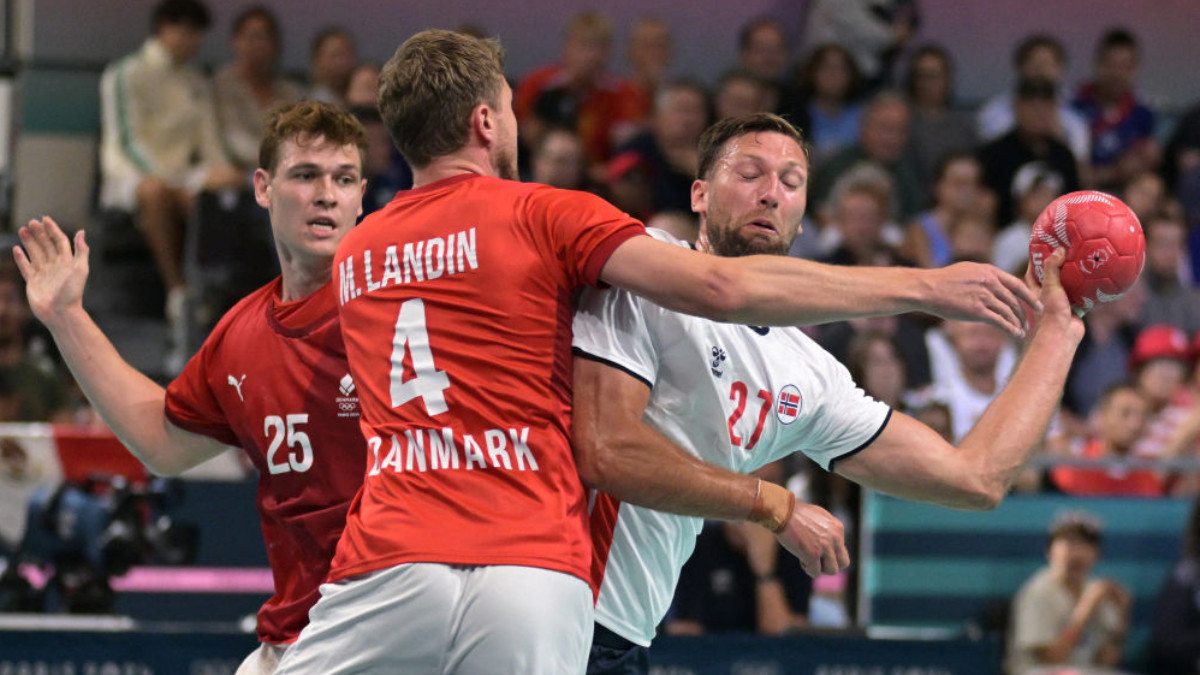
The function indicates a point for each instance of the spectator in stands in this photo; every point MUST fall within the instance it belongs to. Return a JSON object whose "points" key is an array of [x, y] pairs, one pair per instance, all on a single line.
{"points": [[249, 86], [1104, 354], [31, 387], [972, 238], [957, 193], [829, 87], [883, 139], [649, 53], [1117, 424], [736, 581], [1170, 297], [668, 148], [1145, 194], [1122, 126], [332, 60], [1181, 169], [1033, 139], [1161, 362], [938, 127], [159, 142], [859, 230], [1063, 616], [558, 160], [1175, 637], [764, 52], [1038, 56], [1033, 188], [874, 362], [969, 365], [580, 92], [876, 31], [740, 93]]}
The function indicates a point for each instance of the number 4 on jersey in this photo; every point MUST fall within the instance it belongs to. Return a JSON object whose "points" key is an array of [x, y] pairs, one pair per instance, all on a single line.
{"points": [[428, 383]]}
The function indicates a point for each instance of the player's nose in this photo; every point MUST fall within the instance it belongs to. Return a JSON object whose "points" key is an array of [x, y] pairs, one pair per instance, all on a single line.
{"points": [[326, 195]]}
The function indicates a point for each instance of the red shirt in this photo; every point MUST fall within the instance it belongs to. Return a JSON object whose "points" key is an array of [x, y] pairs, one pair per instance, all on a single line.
{"points": [[1112, 482], [610, 101], [272, 379], [456, 305]]}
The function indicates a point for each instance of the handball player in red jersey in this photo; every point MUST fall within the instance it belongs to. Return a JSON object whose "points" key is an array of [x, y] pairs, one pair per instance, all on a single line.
{"points": [[272, 377], [467, 550]]}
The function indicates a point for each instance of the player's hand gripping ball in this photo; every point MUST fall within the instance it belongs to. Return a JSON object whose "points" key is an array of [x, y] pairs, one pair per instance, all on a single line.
{"points": [[1104, 242]]}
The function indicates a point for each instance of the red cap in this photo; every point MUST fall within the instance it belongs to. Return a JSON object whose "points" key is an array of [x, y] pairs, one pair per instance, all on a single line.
{"points": [[1162, 341], [621, 165]]}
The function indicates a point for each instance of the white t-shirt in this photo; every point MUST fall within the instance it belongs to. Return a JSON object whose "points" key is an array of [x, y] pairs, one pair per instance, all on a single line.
{"points": [[735, 396]]}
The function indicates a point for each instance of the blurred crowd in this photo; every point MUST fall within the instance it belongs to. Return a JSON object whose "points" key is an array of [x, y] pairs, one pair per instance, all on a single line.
{"points": [[903, 172]]}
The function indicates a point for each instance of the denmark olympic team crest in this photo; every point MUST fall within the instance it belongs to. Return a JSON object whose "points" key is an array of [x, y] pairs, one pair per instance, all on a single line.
{"points": [[788, 404]]}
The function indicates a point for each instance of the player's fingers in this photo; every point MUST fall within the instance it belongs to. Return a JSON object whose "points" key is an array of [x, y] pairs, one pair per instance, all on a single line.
{"points": [[32, 243], [1022, 290], [22, 262], [843, 556], [829, 561], [1052, 268], [1009, 305], [81, 247], [1002, 316], [59, 240]]}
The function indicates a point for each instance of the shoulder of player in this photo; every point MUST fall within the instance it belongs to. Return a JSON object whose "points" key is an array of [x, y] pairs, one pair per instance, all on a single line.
{"points": [[252, 307]]}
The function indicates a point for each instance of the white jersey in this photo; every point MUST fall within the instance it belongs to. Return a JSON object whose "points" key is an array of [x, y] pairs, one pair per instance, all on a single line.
{"points": [[735, 396]]}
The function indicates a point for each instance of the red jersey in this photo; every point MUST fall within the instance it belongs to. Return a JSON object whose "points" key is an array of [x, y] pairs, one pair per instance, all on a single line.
{"points": [[456, 305], [1112, 482], [272, 379]]}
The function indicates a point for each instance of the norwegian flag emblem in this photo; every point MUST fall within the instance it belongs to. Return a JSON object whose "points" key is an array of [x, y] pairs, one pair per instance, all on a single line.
{"points": [[788, 404]]}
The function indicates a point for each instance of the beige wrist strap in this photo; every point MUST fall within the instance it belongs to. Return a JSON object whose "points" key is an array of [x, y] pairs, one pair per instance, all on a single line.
{"points": [[773, 506]]}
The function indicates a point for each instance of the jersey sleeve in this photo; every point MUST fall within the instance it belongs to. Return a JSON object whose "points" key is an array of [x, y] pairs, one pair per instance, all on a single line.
{"points": [[611, 327], [191, 404], [583, 230], [845, 420]]}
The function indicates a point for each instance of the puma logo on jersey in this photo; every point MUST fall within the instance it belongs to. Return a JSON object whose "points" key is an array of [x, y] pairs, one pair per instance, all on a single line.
{"points": [[237, 384], [718, 359]]}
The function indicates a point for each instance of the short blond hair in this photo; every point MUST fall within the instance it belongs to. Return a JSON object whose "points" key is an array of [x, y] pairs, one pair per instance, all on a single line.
{"points": [[431, 85]]}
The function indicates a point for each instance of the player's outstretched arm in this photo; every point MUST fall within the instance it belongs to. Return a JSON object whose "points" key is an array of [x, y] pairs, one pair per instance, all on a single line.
{"points": [[129, 402], [783, 291], [618, 453], [910, 460]]}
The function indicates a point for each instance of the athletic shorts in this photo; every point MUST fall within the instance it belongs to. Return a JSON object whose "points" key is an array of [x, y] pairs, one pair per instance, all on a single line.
{"points": [[612, 654], [447, 619]]}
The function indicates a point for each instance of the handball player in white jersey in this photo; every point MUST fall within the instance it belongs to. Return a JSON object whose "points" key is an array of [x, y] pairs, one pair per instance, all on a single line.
{"points": [[738, 397]]}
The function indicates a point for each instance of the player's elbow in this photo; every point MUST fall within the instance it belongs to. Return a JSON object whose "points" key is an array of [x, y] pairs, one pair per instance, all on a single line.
{"points": [[596, 459], [981, 494]]}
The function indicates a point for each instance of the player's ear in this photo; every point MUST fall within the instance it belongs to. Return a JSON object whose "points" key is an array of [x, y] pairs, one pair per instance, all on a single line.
{"points": [[483, 123], [699, 196], [262, 186]]}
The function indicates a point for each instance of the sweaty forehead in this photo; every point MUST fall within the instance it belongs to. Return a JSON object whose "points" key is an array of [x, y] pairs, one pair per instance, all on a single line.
{"points": [[769, 146]]}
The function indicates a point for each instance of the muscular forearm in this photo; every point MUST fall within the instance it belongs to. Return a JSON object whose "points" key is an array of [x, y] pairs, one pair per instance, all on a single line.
{"points": [[1001, 441], [777, 290], [129, 403], [641, 466]]}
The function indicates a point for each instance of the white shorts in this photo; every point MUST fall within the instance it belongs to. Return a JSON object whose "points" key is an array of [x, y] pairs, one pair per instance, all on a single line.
{"points": [[447, 619], [262, 661]]}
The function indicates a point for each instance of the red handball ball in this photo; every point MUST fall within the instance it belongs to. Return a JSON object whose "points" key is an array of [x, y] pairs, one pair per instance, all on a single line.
{"points": [[1104, 242]]}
